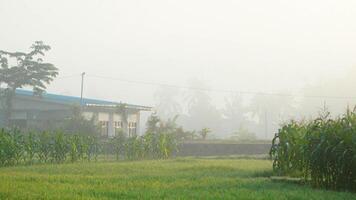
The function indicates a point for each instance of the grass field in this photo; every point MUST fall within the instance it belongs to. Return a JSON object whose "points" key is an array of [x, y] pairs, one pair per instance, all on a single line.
{"points": [[186, 178]]}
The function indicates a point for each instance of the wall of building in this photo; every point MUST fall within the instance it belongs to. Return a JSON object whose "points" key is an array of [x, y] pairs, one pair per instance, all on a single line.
{"points": [[23, 103], [29, 110], [110, 122]]}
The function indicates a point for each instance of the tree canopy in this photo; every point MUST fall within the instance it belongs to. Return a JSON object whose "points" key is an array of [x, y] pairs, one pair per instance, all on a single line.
{"points": [[21, 69]]}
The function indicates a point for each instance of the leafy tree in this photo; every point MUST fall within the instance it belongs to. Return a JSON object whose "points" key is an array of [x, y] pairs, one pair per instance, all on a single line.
{"points": [[153, 123], [20, 69], [78, 124], [234, 114], [201, 112], [167, 102], [269, 111], [122, 110], [204, 133]]}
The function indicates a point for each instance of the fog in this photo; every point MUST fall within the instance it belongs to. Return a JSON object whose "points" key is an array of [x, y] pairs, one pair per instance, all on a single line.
{"points": [[222, 65]]}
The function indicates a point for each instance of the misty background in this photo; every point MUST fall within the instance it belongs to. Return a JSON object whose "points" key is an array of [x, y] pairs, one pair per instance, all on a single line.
{"points": [[226, 65]]}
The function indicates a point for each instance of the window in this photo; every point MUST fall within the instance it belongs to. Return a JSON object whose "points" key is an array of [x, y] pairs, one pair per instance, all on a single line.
{"points": [[118, 124], [132, 128]]}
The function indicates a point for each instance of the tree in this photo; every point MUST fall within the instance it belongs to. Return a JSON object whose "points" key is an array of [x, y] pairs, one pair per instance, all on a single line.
{"points": [[19, 69], [153, 124], [121, 109], [204, 133], [167, 102], [201, 112], [234, 114], [243, 134], [78, 124], [269, 111]]}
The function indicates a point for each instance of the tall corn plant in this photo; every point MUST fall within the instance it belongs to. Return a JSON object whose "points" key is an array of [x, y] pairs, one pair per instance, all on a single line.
{"points": [[7, 148], [59, 148], [322, 151], [45, 144], [31, 147]]}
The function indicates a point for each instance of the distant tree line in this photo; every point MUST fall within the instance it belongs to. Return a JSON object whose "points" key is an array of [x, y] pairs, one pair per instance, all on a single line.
{"points": [[245, 117]]}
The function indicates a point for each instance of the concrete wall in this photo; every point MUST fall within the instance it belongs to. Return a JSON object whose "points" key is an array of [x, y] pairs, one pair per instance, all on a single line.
{"points": [[110, 116], [216, 149]]}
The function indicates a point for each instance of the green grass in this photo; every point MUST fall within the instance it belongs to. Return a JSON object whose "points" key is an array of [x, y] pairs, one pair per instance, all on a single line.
{"points": [[188, 178]]}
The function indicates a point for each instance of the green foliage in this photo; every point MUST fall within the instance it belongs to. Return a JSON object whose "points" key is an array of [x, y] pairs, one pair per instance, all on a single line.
{"points": [[78, 124], [322, 150], [17, 147], [159, 142], [204, 133], [60, 148], [11, 148], [122, 110], [30, 145], [19, 69], [148, 146], [44, 146], [244, 134], [118, 143]]}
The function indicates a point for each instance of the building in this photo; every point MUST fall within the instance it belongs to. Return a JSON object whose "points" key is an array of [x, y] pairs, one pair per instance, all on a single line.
{"points": [[29, 110]]}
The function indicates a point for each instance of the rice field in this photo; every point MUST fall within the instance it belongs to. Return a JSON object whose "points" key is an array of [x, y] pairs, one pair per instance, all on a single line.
{"points": [[181, 178]]}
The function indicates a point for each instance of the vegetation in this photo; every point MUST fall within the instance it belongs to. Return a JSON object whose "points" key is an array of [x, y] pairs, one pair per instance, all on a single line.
{"points": [[19, 69], [122, 110], [78, 124], [244, 135], [204, 133], [27, 148], [47, 147], [155, 179], [148, 146], [159, 142], [322, 151]]}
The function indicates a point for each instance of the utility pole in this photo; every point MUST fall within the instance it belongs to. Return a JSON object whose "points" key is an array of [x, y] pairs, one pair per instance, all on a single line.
{"points": [[81, 89], [266, 125], [324, 106]]}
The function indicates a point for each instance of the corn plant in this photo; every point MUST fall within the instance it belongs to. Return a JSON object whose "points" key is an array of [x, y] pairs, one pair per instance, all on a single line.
{"points": [[7, 151], [118, 143], [59, 148], [44, 146], [322, 151], [74, 145], [31, 147]]}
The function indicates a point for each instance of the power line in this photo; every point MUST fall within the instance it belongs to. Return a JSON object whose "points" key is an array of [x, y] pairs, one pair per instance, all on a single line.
{"points": [[218, 90], [68, 76]]}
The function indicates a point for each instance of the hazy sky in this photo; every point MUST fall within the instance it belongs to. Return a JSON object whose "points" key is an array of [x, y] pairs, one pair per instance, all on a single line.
{"points": [[254, 45]]}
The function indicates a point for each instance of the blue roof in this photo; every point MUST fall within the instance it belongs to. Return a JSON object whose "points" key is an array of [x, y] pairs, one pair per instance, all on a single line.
{"points": [[65, 99]]}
